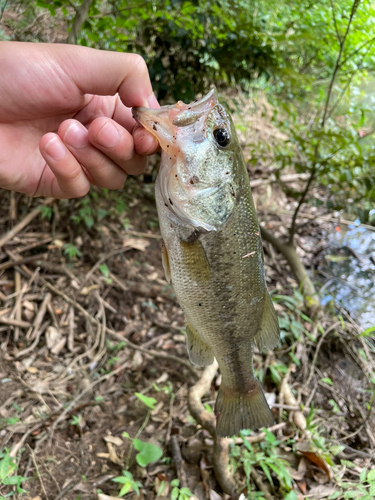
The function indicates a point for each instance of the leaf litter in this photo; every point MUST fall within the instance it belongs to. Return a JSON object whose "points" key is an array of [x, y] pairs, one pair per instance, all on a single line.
{"points": [[93, 364]]}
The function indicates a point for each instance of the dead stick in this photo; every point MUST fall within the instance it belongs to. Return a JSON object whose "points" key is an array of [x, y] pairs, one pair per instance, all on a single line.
{"points": [[15, 322], [155, 354], [31, 334], [25, 260], [24, 222]]}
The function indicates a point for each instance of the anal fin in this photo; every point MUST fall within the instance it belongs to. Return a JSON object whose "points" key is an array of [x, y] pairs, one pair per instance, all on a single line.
{"points": [[199, 352], [269, 332]]}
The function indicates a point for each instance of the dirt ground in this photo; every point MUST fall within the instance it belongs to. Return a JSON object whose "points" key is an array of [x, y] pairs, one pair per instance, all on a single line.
{"points": [[87, 320]]}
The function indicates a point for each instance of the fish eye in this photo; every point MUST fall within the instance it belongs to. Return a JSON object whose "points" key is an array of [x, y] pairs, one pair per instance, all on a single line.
{"points": [[222, 137]]}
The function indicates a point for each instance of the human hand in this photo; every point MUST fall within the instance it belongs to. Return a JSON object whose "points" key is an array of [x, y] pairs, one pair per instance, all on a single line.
{"points": [[63, 126]]}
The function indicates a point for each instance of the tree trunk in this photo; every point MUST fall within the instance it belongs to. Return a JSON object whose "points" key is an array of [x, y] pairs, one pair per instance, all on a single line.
{"points": [[82, 13]]}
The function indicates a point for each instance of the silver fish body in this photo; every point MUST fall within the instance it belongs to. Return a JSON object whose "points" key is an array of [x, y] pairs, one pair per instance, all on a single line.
{"points": [[213, 252]]}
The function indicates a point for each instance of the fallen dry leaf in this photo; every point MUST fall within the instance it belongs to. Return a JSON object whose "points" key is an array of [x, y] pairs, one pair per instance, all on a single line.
{"points": [[52, 336], [117, 441], [307, 450], [32, 369], [321, 491], [136, 243]]}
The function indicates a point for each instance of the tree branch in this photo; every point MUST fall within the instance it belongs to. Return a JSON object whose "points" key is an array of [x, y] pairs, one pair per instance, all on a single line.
{"points": [[339, 99], [337, 64], [335, 22], [292, 229]]}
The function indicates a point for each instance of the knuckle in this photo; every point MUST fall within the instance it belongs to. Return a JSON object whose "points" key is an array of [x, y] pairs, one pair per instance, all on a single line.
{"points": [[139, 63]]}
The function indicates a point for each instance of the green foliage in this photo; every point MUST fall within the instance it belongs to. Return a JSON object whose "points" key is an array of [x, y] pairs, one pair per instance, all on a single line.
{"points": [[46, 212], [128, 483], [76, 420], [364, 489], [148, 452], [149, 402], [265, 456], [71, 251], [8, 477], [179, 493]]}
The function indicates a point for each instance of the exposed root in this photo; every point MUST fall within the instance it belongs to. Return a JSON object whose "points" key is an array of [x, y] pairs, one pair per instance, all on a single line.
{"points": [[208, 422]]}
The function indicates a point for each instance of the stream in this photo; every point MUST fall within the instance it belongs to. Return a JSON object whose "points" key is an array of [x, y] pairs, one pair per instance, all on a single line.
{"points": [[348, 272]]}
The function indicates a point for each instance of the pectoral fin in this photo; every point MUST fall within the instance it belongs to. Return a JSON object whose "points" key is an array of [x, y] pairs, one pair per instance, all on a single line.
{"points": [[165, 261], [199, 352], [268, 335], [195, 261]]}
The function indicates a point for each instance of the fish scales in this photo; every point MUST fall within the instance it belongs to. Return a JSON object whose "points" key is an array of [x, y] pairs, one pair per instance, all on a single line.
{"points": [[213, 252]]}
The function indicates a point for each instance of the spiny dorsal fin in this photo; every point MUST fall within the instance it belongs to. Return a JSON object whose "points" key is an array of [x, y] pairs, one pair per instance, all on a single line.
{"points": [[199, 352], [268, 335]]}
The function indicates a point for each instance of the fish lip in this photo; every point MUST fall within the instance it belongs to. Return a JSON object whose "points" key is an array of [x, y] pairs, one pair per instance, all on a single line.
{"points": [[194, 110]]}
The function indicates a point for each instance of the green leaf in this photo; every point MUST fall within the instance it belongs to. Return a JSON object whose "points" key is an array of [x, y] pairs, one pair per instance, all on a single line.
{"points": [[363, 475], [352, 494], [148, 452], [186, 492], [371, 475], [175, 482], [327, 380], [149, 402], [292, 495], [104, 270], [174, 494], [125, 489]]}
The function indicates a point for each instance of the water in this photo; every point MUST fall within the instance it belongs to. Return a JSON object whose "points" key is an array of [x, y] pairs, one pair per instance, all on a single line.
{"points": [[348, 269]]}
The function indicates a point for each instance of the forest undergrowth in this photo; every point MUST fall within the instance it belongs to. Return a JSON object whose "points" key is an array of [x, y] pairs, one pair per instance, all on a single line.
{"points": [[98, 398]]}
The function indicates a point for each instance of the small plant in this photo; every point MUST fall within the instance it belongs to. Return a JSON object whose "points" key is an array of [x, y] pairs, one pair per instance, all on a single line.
{"points": [[76, 420], [46, 212], [71, 251], [264, 456], [179, 493], [128, 483], [147, 452], [365, 489], [8, 467]]}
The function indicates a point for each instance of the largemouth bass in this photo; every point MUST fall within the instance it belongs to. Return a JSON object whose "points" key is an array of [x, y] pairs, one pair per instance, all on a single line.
{"points": [[212, 252]]}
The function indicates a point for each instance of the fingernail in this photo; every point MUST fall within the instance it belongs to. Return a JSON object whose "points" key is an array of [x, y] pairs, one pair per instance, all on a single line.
{"points": [[76, 136], [153, 102], [55, 149], [108, 136]]}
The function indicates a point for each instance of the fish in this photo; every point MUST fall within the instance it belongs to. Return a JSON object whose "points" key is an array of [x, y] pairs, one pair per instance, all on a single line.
{"points": [[212, 252]]}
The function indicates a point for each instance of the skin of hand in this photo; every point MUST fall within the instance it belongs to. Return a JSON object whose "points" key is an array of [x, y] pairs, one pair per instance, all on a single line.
{"points": [[65, 118]]}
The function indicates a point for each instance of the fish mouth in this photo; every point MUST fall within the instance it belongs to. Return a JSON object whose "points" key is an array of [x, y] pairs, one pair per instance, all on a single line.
{"points": [[167, 123]]}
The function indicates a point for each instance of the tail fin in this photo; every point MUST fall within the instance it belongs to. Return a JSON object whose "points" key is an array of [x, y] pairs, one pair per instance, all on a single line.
{"points": [[236, 411]]}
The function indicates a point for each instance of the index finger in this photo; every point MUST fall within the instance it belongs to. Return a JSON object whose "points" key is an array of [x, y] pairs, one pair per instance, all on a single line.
{"points": [[107, 73]]}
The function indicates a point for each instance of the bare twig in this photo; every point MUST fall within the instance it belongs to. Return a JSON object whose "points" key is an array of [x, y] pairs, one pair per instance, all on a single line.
{"points": [[32, 333], [338, 60], [316, 354], [24, 222], [15, 322], [37, 470]]}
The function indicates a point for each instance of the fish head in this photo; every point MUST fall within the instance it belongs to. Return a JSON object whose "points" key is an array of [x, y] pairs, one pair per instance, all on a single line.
{"points": [[197, 173]]}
